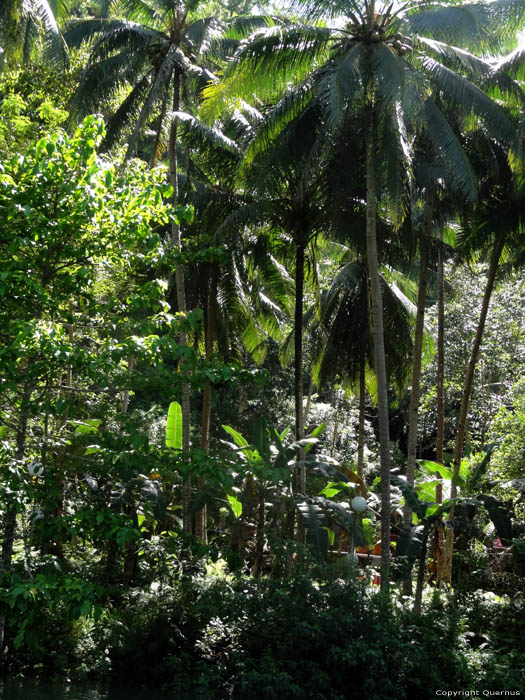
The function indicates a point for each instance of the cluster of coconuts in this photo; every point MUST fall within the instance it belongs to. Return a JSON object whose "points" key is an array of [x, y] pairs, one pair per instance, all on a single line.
{"points": [[401, 44]]}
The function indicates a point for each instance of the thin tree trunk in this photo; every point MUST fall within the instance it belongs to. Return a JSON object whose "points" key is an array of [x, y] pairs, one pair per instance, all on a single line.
{"points": [[440, 441], [441, 567], [259, 547], [300, 485], [131, 550], [421, 574], [181, 301], [474, 354], [9, 524], [361, 429], [125, 393], [413, 411], [465, 398], [379, 353], [201, 518]]}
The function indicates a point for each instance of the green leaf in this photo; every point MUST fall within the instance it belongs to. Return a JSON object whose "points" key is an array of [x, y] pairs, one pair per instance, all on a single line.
{"points": [[235, 505], [238, 439], [331, 536], [315, 432], [431, 468], [88, 426], [174, 426], [261, 438], [481, 468]]}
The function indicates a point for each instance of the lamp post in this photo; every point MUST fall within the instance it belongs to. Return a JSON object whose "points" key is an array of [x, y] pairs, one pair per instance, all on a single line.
{"points": [[358, 505]]}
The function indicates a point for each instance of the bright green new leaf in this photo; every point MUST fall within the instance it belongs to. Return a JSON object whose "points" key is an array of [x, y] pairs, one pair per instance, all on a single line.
{"points": [[235, 505], [174, 426], [431, 468]]}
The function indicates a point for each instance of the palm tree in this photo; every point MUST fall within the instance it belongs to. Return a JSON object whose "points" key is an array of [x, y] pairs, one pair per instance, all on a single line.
{"points": [[346, 351], [25, 24], [161, 50], [377, 65]]}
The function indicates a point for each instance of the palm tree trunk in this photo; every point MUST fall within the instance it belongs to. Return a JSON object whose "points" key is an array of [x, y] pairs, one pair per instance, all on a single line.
{"points": [[442, 570], [259, 547], [413, 411], [300, 481], [201, 518], [465, 398], [181, 300], [361, 428], [379, 353], [474, 354], [440, 441], [421, 574]]}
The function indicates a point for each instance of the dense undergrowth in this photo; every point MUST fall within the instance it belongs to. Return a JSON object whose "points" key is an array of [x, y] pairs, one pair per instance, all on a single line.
{"points": [[211, 634]]}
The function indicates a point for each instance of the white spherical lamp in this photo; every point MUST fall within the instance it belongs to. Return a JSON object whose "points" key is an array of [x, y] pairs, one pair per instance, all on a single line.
{"points": [[358, 504]]}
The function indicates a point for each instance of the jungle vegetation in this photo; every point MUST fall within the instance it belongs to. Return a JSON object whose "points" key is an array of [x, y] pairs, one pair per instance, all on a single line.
{"points": [[262, 330]]}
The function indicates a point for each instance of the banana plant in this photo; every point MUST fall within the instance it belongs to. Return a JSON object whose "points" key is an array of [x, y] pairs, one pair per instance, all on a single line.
{"points": [[427, 511], [267, 460]]}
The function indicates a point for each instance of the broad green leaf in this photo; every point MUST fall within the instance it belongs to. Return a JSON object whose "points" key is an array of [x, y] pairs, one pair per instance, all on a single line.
{"points": [[239, 440], [481, 468], [431, 468], [315, 432], [235, 505], [174, 426], [426, 490], [261, 438], [90, 425], [329, 492], [331, 536]]}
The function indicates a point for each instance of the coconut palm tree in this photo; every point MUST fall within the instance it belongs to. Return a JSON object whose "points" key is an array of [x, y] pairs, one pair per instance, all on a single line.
{"points": [[27, 24], [376, 64], [160, 50]]}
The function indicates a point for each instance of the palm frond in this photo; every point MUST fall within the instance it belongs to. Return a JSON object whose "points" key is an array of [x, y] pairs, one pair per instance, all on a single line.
{"points": [[461, 23], [127, 112], [457, 57], [103, 78], [112, 35], [512, 65], [340, 82], [206, 134], [141, 11], [160, 83], [471, 100], [389, 74], [288, 108], [449, 151], [394, 163], [264, 62]]}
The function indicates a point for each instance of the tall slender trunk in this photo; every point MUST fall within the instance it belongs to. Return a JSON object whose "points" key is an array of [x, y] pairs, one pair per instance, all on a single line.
{"points": [[259, 546], [465, 398], [379, 352], [413, 411], [361, 428], [415, 393], [474, 354], [181, 299], [9, 524], [421, 574], [131, 549], [442, 568], [201, 518], [440, 399], [300, 480]]}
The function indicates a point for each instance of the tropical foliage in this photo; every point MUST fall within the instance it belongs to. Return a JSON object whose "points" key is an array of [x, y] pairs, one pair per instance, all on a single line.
{"points": [[262, 331]]}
